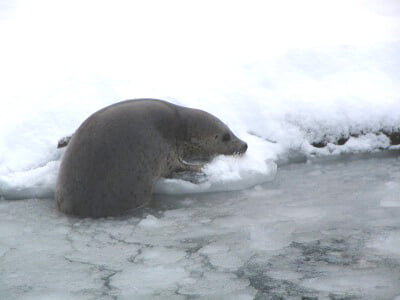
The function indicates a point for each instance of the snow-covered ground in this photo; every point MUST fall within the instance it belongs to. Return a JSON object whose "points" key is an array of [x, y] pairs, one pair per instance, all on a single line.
{"points": [[297, 80], [327, 230], [282, 75]]}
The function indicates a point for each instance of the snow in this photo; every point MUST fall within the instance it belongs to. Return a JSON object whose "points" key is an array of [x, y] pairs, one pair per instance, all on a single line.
{"points": [[291, 78], [281, 79]]}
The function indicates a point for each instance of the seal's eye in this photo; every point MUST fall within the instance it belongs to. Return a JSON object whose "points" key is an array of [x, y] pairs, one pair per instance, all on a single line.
{"points": [[226, 137]]}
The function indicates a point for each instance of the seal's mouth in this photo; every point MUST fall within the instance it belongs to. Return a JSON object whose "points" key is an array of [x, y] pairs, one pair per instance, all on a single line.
{"points": [[242, 150]]}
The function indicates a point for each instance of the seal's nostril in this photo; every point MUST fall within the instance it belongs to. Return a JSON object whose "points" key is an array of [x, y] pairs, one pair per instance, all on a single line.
{"points": [[244, 148]]}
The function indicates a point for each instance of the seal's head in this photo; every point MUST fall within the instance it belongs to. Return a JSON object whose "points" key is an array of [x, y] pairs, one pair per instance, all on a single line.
{"points": [[206, 136]]}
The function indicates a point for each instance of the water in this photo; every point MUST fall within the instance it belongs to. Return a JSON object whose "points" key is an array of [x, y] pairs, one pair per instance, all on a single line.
{"points": [[319, 230]]}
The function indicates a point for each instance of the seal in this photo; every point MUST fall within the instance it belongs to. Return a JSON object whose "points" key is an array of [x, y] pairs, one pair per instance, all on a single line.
{"points": [[116, 155]]}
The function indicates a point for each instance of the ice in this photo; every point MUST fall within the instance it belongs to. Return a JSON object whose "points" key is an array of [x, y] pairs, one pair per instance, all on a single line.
{"points": [[219, 285], [220, 256], [318, 230], [38, 182], [160, 255], [150, 222], [390, 194], [389, 243], [373, 284], [136, 281], [222, 174]]}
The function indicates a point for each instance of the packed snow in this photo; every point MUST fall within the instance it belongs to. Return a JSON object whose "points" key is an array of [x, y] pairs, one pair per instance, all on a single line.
{"points": [[315, 82], [281, 79]]}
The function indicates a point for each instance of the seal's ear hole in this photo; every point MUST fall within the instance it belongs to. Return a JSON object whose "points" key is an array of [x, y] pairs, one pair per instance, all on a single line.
{"points": [[216, 136], [226, 137]]}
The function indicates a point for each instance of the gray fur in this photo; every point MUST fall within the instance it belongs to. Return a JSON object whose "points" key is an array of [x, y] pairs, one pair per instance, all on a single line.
{"points": [[116, 155]]}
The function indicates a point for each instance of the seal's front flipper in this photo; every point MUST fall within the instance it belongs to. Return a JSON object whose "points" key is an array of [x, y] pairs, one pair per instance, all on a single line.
{"points": [[63, 142], [186, 167], [193, 168]]}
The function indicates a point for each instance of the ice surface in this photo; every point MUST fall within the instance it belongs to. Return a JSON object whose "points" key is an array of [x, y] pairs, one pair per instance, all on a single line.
{"points": [[318, 230]]}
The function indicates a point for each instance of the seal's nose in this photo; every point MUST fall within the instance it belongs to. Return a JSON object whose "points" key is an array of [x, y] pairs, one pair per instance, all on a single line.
{"points": [[244, 148]]}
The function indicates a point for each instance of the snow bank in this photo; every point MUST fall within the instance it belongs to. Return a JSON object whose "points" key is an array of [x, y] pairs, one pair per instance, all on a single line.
{"points": [[286, 81]]}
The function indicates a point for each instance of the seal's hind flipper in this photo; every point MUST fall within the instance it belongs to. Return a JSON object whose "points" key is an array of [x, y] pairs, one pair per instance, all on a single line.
{"points": [[63, 142]]}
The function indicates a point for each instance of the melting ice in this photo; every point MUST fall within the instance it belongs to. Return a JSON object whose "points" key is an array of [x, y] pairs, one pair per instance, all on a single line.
{"points": [[320, 230]]}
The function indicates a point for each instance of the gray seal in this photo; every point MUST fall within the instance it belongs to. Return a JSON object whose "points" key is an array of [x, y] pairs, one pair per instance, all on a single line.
{"points": [[116, 155]]}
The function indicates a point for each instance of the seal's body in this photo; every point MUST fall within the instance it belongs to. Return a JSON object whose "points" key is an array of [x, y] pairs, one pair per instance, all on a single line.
{"points": [[116, 155]]}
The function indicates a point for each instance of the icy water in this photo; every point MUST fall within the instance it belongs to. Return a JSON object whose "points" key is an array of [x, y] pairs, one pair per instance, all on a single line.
{"points": [[319, 230]]}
